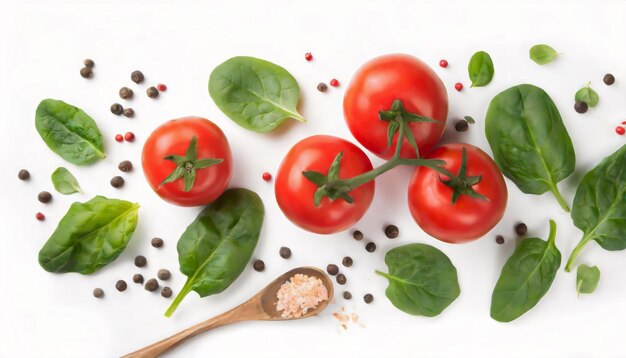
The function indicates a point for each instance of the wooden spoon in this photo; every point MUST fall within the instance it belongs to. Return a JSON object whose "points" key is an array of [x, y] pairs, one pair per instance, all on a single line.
{"points": [[261, 307]]}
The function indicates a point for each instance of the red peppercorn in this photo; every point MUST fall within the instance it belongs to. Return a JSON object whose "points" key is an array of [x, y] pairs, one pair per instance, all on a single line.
{"points": [[334, 82], [308, 56], [624, 122], [267, 176], [119, 138], [443, 63], [40, 216], [129, 136], [620, 130], [458, 86], [161, 87]]}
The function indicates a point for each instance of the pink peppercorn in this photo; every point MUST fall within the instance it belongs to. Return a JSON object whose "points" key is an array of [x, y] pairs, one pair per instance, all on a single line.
{"points": [[40, 216], [334, 82], [620, 130], [161, 87], [443, 63], [129, 136], [267, 176], [119, 138], [458, 86], [308, 56]]}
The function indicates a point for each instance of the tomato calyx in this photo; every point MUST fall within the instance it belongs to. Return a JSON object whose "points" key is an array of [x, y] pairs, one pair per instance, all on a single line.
{"points": [[187, 165], [462, 184], [329, 185], [395, 115]]}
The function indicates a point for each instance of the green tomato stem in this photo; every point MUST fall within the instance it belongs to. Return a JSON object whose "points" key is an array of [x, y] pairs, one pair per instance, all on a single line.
{"points": [[179, 298], [559, 198], [577, 250]]}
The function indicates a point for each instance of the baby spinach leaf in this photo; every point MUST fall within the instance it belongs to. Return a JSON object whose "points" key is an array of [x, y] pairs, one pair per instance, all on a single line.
{"points": [[587, 279], [526, 277], [599, 208], [256, 94], [542, 54], [587, 95], [217, 246], [529, 141], [480, 69], [422, 280], [69, 132], [64, 182], [90, 236]]}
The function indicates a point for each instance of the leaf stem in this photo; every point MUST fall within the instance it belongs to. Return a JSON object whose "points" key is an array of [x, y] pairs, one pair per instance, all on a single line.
{"points": [[179, 298], [577, 250], [559, 198]]}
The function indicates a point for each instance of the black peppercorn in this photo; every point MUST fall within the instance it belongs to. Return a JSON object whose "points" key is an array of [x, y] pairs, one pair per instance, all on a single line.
{"points": [[166, 292], [370, 247], [117, 182], [98, 293], [285, 252], [347, 295], [357, 235], [499, 239], [23, 174], [44, 197], [136, 76], [461, 125], [140, 261], [368, 298], [347, 261], [164, 274], [581, 107], [125, 166], [126, 93], [521, 229], [332, 269], [341, 279], [322, 87], [258, 265], [117, 109], [86, 72], [120, 285], [128, 113], [138, 278], [88, 62], [608, 79], [157, 242], [392, 231], [152, 92], [152, 285]]}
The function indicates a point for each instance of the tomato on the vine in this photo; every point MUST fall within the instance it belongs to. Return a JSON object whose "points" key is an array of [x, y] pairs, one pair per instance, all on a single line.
{"points": [[296, 194], [479, 190], [187, 161], [403, 79]]}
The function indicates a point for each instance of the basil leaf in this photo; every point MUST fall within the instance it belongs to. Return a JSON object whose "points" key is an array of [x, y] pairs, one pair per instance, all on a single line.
{"points": [[587, 95], [64, 182], [587, 279], [256, 94], [599, 208], [422, 280], [90, 236], [217, 246], [526, 277], [542, 54], [530, 144], [69, 132], [480, 69]]}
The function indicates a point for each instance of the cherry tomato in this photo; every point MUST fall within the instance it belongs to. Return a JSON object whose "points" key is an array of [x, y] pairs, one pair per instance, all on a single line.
{"points": [[294, 192], [430, 200], [381, 81], [174, 138]]}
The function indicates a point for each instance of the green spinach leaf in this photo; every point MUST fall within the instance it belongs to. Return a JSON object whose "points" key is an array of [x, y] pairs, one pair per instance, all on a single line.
{"points": [[469, 119], [90, 236], [256, 94], [64, 182], [600, 206], [542, 54], [529, 141], [587, 95], [526, 277], [422, 280], [217, 246], [69, 132], [587, 279], [480, 69]]}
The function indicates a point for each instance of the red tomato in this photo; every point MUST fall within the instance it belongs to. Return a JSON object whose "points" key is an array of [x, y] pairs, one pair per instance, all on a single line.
{"points": [[294, 192], [381, 81], [430, 201], [174, 138]]}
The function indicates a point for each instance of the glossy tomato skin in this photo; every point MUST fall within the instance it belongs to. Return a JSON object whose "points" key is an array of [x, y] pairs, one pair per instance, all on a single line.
{"points": [[381, 81], [294, 193], [173, 137], [430, 201]]}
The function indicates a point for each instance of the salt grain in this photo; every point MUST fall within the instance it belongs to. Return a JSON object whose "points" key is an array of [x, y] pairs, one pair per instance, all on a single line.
{"points": [[299, 295]]}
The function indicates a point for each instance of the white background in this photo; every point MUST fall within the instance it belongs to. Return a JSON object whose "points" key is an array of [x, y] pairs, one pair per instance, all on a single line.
{"points": [[178, 43]]}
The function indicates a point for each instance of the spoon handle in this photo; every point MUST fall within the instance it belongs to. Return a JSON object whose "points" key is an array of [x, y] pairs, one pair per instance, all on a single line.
{"points": [[160, 347]]}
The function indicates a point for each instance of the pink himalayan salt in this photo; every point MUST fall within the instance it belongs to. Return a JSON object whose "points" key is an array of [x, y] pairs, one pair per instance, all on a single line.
{"points": [[299, 295]]}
